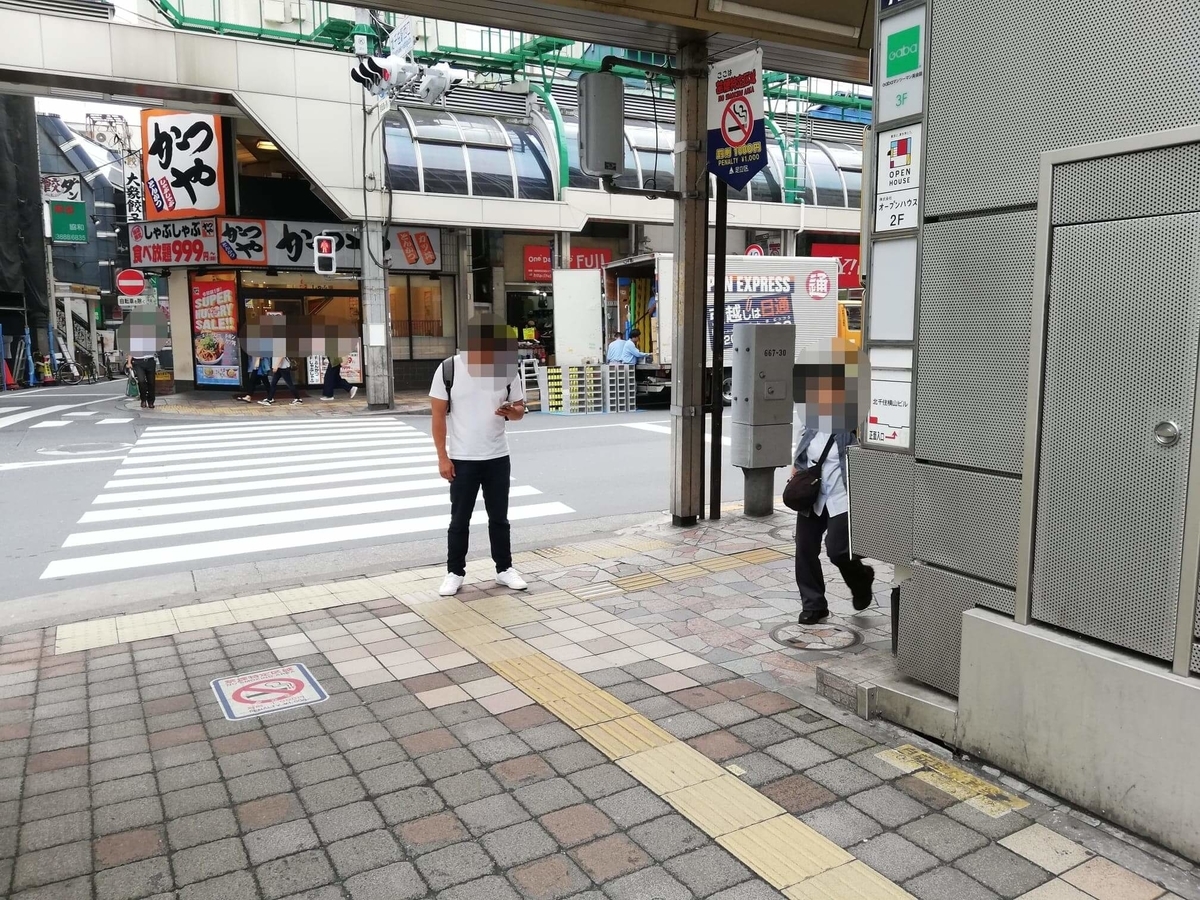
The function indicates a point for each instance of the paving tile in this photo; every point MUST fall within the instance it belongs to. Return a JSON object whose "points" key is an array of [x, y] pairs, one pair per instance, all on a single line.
{"points": [[293, 874], [497, 749], [686, 725], [549, 736], [399, 881], [1105, 880], [842, 824], [800, 753], [1004, 872], [208, 860], [720, 745], [389, 779], [453, 865], [749, 890], [372, 850], [1060, 890], [551, 878], [491, 814], [135, 881], [446, 763], [769, 703], [406, 805], [888, 806], [234, 886], [842, 777], [633, 806], [131, 846], [578, 824], [426, 742], [757, 769], [528, 717], [548, 796], [601, 781], [346, 821], [467, 787], [271, 843], [75, 889], [1048, 849], [268, 811], [894, 857], [994, 828], [518, 844], [431, 833], [317, 770], [671, 681], [708, 870], [654, 882], [609, 858], [946, 883], [515, 773], [924, 792], [943, 837], [126, 816], [44, 833], [574, 756]]}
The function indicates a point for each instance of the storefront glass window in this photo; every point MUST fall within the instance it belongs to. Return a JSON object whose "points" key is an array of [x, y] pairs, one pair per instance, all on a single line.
{"points": [[423, 322], [534, 181], [401, 156], [445, 168], [491, 172], [434, 124]]}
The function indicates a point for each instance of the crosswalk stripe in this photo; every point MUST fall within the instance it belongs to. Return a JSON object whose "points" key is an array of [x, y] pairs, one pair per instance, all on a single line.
{"points": [[11, 409], [399, 457], [252, 520], [333, 424], [80, 415], [56, 424], [34, 413], [278, 458], [131, 559], [275, 440], [269, 484], [249, 436], [188, 507], [259, 451], [114, 421]]}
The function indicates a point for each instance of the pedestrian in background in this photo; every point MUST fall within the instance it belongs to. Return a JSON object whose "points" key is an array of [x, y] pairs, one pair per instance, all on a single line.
{"points": [[258, 372], [827, 435], [281, 368], [473, 396], [334, 380]]}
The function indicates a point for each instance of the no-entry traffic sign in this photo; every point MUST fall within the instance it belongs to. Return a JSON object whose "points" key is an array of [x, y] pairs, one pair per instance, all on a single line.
{"points": [[737, 133], [259, 693], [131, 282]]}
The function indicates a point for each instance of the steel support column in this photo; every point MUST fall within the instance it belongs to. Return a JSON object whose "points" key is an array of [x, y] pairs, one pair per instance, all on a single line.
{"points": [[377, 325], [689, 290]]}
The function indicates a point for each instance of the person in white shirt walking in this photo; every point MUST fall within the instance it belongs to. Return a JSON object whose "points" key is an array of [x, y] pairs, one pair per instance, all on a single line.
{"points": [[281, 368], [824, 441], [473, 396]]}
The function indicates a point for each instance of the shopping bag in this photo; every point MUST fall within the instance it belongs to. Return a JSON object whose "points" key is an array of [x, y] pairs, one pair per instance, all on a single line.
{"points": [[131, 387]]}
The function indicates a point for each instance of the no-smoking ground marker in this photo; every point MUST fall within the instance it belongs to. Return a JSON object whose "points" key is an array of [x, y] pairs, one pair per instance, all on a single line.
{"points": [[260, 693]]}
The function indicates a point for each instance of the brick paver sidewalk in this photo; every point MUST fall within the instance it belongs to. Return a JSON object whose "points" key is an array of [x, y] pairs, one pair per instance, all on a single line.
{"points": [[571, 742]]}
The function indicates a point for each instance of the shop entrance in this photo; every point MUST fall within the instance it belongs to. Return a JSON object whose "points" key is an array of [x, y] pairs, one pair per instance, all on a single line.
{"points": [[531, 312]]}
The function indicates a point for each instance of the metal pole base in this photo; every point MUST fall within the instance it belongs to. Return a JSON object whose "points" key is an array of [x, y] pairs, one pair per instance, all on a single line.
{"points": [[759, 492]]}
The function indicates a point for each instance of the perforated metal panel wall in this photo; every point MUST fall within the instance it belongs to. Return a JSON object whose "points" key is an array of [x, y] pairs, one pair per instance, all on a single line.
{"points": [[1122, 336], [932, 602], [881, 512], [967, 521], [1195, 659], [1010, 78], [973, 352], [1152, 183]]}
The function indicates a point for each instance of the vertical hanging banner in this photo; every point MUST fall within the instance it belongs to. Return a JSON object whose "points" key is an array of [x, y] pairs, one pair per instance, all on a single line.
{"points": [[737, 133], [135, 198], [184, 164]]}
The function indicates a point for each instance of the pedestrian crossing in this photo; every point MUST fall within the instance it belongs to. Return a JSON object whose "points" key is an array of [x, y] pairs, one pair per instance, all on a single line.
{"points": [[12, 415], [239, 491]]}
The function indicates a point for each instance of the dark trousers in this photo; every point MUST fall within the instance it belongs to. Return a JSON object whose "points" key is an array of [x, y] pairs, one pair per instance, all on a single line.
{"points": [[255, 378], [286, 375], [143, 371], [809, 577], [469, 476], [334, 380]]}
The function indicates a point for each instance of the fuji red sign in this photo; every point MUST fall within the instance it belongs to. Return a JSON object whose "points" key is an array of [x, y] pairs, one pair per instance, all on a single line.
{"points": [[131, 282]]}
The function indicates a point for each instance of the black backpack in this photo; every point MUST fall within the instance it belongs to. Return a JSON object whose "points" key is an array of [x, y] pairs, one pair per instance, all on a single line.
{"points": [[448, 381]]}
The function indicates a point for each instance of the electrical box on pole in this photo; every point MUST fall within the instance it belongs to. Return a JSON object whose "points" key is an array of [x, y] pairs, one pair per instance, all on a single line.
{"points": [[602, 124], [324, 255], [762, 408]]}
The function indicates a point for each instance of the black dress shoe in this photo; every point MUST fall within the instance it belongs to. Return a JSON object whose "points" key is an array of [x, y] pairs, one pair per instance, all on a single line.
{"points": [[861, 603], [866, 598], [812, 616]]}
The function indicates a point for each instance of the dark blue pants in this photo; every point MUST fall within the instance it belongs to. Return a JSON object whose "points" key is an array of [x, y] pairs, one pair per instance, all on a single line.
{"points": [[469, 476]]}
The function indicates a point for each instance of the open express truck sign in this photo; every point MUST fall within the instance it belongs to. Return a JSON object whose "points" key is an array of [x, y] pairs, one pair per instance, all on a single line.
{"points": [[737, 133]]}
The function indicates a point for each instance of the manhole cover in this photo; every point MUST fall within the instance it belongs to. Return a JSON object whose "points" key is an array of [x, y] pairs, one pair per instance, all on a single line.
{"points": [[822, 636], [784, 533]]}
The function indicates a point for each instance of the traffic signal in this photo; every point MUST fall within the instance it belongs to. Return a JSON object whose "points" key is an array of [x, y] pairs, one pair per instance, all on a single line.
{"points": [[324, 255], [378, 75]]}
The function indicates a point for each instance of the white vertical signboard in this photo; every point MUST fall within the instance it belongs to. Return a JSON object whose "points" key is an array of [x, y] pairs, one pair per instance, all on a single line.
{"points": [[135, 199], [889, 420], [900, 75], [898, 178]]}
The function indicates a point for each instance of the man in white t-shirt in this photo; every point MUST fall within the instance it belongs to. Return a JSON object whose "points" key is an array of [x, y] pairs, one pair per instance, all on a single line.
{"points": [[468, 432]]}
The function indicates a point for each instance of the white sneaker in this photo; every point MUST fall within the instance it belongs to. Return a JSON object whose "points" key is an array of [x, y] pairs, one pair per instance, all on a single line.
{"points": [[323, 397], [353, 392], [511, 578], [450, 584], [297, 402], [266, 402]]}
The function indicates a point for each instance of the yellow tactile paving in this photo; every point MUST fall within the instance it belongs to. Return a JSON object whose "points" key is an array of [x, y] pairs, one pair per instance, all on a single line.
{"points": [[721, 564], [501, 651], [671, 767], [639, 582], [853, 881], [681, 573], [591, 708], [597, 591], [554, 685], [983, 795], [784, 851], [551, 599], [507, 611], [723, 805], [625, 736], [478, 634], [522, 666], [641, 544], [761, 555]]}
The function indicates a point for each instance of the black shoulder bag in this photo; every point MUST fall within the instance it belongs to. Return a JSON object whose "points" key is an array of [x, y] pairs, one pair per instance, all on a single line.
{"points": [[803, 488]]}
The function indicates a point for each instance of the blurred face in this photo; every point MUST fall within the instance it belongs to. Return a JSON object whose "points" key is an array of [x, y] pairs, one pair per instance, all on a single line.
{"points": [[828, 402], [491, 351]]}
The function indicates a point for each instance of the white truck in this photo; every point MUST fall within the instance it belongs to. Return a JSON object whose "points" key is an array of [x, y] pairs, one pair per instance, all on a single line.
{"points": [[793, 290]]}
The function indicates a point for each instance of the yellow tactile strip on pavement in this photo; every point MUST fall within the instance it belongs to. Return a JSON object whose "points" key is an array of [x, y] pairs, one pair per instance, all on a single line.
{"points": [[413, 587], [958, 783], [759, 833]]}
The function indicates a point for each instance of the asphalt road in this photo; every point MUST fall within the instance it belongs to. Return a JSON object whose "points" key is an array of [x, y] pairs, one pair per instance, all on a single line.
{"points": [[105, 510]]}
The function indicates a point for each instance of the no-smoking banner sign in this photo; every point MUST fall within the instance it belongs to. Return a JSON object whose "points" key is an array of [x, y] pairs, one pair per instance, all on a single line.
{"points": [[259, 693], [737, 133]]}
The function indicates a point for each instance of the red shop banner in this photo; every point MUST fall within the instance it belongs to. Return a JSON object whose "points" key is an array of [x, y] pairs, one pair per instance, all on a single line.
{"points": [[539, 263], [591, 257], [214, 330], [847, 256]]}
